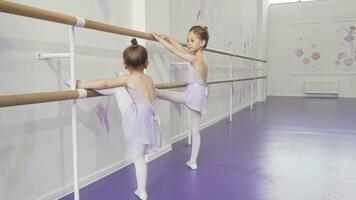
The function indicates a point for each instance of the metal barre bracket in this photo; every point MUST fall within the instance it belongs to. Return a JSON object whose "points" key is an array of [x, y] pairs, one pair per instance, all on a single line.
{"points": [[47, 56]]}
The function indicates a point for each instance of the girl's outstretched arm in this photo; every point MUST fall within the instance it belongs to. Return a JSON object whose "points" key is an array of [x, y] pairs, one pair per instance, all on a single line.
{"points": [[177, 44], [103, 83], [177, 51]]}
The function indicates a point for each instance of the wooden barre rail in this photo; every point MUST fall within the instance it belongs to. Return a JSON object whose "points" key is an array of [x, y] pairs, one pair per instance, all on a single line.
{"points": [[28, 11], [43, 97]]}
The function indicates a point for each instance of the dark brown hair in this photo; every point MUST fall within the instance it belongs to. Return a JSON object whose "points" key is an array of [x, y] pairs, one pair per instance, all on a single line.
{"points": [[135, 55], [202, 32]]}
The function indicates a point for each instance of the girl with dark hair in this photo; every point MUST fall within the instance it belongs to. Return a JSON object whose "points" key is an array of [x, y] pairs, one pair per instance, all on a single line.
{"points": [[138, 118]]}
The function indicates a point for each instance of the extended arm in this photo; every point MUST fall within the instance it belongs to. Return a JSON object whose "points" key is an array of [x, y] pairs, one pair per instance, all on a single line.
{"points": [[172, 48], [103, 83], [175, 43]]}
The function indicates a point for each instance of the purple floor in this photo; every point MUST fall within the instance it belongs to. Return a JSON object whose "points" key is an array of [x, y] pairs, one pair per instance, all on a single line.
{"points": [[289, 148]]}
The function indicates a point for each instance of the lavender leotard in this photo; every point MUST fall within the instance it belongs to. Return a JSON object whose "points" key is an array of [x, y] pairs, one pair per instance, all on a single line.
{"points": [[196, 94], [140, 121]]}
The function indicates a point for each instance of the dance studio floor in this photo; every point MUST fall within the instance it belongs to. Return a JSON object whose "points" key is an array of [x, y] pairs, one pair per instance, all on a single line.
{"points": [[289, 148]]}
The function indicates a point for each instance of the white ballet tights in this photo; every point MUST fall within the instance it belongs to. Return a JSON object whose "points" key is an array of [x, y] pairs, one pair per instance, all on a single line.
{"points": [[141, 170], [195, 116], [194, 128]]}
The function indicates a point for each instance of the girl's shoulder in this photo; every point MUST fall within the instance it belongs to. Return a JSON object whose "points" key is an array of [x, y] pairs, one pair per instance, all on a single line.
{"points": [[142, 78], [149, 80], [199, 63], [123, 78], [149, 77]]}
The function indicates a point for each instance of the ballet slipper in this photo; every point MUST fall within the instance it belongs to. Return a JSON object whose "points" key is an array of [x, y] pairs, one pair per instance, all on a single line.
{"points": [[141, 195], [191, 165]]}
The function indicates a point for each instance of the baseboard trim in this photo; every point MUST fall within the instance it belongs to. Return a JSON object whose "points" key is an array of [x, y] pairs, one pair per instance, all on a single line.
{"points": [[303, 95], [165, 149], [61, 192]]}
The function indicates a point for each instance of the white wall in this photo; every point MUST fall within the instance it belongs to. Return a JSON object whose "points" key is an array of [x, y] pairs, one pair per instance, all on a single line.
{"points": [[293, 25], [36, 144]]}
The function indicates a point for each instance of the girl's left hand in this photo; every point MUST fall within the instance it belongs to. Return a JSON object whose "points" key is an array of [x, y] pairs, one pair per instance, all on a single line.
{"points": [[165, 37]]}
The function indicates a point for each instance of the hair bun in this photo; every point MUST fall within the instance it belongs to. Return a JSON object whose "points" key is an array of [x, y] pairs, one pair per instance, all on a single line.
{"points": [[133, 42], [205, 28]]}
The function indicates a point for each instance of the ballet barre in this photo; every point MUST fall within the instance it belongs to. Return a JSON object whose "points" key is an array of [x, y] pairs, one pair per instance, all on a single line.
{"points": [[33, 12], [43, 97]]}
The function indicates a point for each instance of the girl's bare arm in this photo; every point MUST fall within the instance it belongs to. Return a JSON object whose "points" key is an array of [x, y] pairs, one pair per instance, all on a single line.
{"points": [[103, 83], [182, 54]]}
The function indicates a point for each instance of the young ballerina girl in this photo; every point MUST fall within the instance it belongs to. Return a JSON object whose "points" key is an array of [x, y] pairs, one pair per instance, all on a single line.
{"points": [[139, 118], [195, 96]]}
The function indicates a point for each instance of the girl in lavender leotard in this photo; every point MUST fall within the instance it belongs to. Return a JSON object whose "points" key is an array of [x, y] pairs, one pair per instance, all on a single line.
{"points": [[139, 118], [195, 96]]}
